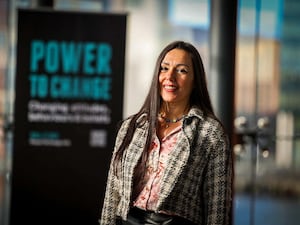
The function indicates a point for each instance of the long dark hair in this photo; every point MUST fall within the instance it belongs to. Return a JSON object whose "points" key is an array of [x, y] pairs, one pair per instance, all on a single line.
{"points": [[199, 97]]}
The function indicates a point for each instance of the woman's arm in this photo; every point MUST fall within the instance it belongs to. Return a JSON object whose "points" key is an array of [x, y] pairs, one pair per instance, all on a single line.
{"points": [[111, 199], [112, 196], [218, 184]]}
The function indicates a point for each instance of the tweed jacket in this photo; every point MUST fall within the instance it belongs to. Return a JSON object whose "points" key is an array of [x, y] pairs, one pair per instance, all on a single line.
{"points": [[197, 181]]}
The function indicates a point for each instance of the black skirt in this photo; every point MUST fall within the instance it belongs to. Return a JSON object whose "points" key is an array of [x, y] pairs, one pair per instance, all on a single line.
{"points": [[138, 216]]}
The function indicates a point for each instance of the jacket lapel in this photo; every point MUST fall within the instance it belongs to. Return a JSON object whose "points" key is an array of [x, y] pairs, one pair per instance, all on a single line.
{"points": [[176, 163]]}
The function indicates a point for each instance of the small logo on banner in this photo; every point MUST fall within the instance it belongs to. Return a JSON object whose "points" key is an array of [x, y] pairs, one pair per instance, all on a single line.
{"points": [[98, 138]]}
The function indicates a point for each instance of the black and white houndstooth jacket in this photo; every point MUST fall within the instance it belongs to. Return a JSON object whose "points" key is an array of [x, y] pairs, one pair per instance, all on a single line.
{"points": [[197, 183]]}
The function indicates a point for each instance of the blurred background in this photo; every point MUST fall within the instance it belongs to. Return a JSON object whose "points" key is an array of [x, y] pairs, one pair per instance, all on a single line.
{"points": [[266, 89]]}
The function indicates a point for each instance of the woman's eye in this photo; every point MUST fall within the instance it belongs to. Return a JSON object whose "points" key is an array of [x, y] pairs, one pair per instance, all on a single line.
{"points": [[163, 69], [182, 71]]}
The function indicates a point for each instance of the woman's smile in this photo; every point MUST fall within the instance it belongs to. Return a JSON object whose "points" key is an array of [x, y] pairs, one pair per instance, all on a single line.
{"points": [[170, 87]]}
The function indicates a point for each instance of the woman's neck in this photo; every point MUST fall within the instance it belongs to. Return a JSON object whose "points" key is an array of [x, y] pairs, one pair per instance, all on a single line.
{"points": [[174, 111]]}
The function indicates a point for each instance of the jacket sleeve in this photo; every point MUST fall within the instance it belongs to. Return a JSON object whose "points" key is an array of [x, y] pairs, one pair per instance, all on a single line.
{"points": [[112, 196], [111, 199], [218, 183]]}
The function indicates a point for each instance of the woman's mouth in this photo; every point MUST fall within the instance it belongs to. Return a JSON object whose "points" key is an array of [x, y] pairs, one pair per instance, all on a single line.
{"points": [[170, 87]]}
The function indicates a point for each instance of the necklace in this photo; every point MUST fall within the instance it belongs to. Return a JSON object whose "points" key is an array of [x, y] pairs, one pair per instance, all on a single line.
{"points": [[167, 120]]}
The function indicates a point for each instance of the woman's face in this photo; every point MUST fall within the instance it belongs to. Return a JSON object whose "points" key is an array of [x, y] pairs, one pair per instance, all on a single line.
{"points": [[176, 78]]}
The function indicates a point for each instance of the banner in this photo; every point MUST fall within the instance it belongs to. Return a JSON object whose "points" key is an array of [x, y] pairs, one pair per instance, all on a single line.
{"points": [[68, 100]]}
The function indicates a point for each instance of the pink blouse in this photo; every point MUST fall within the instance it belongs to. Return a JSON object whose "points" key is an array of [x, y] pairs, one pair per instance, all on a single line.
{"points": [[148, 188]]}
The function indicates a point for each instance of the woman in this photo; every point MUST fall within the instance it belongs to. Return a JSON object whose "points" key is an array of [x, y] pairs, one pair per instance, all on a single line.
{"points": [[171, 162]]}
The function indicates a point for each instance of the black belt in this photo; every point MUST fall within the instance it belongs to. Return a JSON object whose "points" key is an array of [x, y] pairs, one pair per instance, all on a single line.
{"points": [[138, 216]]}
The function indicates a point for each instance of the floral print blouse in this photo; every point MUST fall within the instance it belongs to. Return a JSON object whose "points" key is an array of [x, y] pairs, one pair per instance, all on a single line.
{"points": [[148, 188]]}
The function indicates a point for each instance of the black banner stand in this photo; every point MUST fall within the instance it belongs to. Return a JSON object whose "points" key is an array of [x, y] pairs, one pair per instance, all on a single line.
{"points": [[68, 100]]}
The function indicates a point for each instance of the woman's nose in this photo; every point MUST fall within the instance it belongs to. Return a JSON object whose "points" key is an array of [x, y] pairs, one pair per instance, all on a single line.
{"points": [[171, 73]]}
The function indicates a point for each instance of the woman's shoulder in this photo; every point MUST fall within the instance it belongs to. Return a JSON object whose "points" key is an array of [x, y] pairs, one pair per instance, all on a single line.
{"points": [[125, 123], [199, 115], [205, 122]]}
